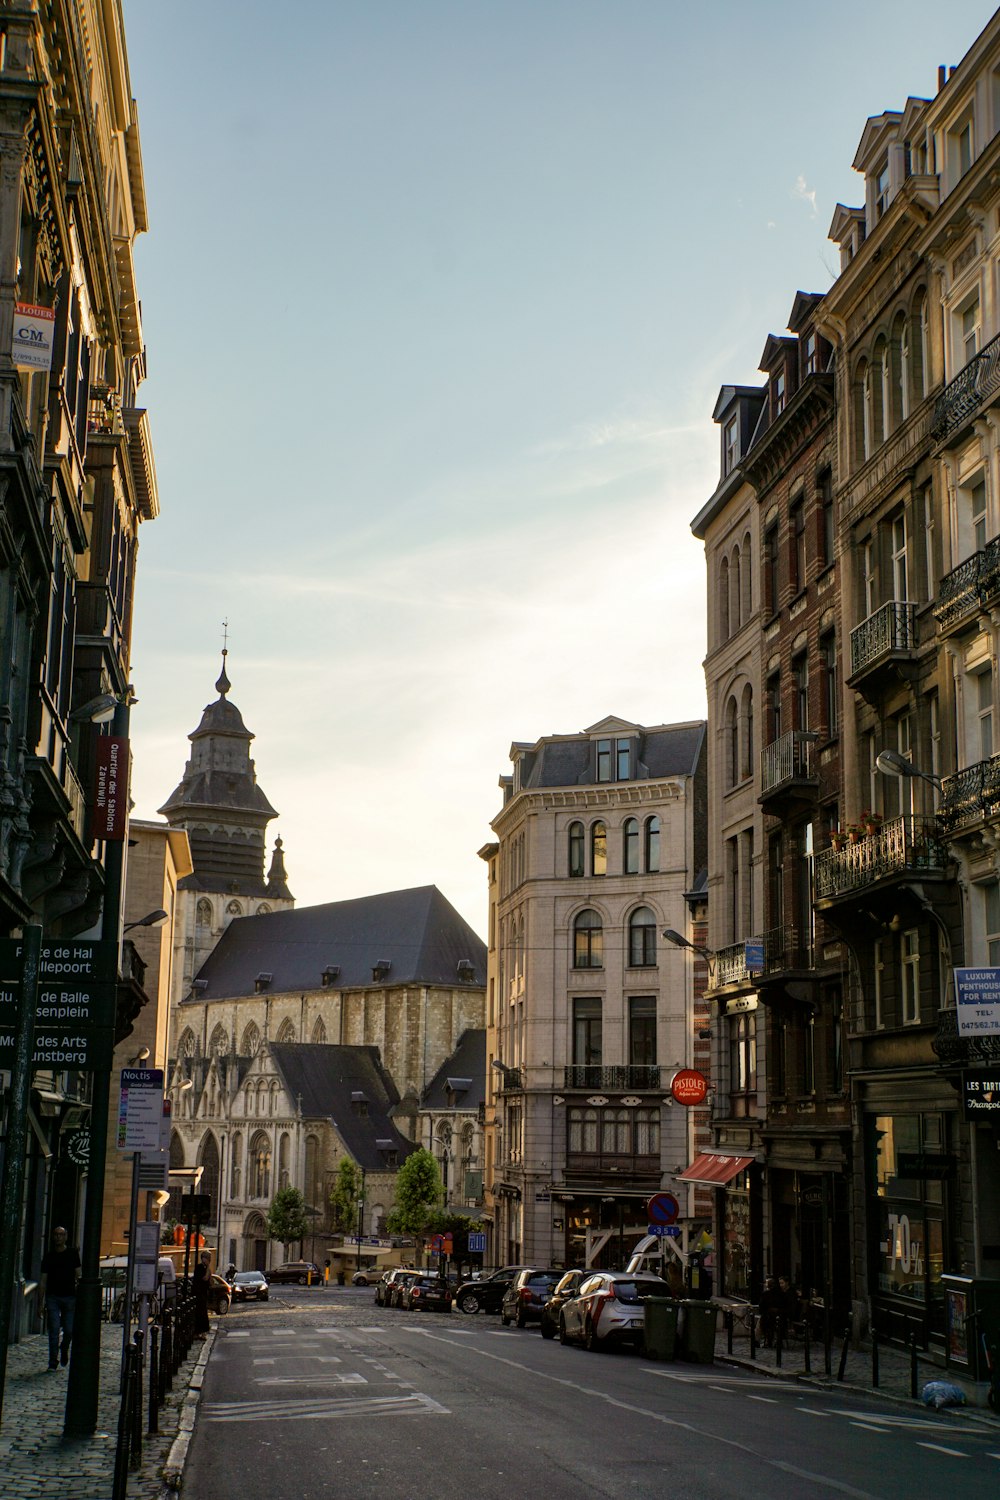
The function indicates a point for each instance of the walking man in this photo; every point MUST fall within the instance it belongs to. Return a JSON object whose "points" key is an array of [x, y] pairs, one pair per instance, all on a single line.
{"points": [[60, 1274]]}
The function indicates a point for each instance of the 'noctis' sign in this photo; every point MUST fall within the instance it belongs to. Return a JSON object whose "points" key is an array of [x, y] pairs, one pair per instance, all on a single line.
{"points": [[689, 1087]]}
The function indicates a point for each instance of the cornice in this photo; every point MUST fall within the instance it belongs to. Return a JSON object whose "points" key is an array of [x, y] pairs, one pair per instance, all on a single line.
{"points": [[809, 408]]}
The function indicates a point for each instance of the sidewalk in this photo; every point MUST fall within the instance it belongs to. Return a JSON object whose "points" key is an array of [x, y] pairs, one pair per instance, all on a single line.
{"points": [[893, 1370], [35, 1461]]}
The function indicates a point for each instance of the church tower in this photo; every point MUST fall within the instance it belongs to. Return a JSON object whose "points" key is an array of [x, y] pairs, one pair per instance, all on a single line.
{"points": [[225, 815]]}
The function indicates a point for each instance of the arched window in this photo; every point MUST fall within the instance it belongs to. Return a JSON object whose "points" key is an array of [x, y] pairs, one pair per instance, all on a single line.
{"points": [[724, 599], [598, 849], [652, 845], [208, 1160], [899, 356], [319, 1031], [236, 1165], [284, 1157], [187, 1045], [746, 714], [732, 743], [234, 909], [588, 941], [262, 1099], [259, 1166], [275, 1092], [250, 1044], [921, 348], [630, 846], [314, 1173], [881, 391], [642, 938], [263, 910], [203, 913], [735, 619], [576, 844], [582, 1132], [863, 414], [746, 580], [286, 1031], [219, 1044]]}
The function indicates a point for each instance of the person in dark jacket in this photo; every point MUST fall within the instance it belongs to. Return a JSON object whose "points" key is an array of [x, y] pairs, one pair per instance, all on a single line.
{"points": [[57, 1288], [202, 1286]]}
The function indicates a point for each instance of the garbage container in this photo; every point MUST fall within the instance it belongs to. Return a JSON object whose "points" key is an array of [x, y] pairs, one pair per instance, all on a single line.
{"points": [[972, 1312], [697, 1341], [659, 1333]]}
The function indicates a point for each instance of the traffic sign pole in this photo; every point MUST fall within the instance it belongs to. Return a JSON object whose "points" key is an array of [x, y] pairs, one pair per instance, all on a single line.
{"points": [[12, 1189]]}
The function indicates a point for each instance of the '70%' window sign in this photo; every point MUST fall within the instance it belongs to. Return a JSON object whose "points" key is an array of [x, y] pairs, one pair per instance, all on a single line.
{"points": [[977, 1000]]}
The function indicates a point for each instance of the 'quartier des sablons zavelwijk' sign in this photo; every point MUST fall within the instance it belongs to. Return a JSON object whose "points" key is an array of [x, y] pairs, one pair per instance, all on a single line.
{"points": [[75, 1010]]}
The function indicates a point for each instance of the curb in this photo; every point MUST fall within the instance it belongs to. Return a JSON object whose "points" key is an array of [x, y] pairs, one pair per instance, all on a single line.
{"points": [[173, 1469], [972, 1414]]}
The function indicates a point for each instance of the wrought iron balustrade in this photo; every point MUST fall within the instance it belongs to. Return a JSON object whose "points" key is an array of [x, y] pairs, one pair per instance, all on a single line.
{"points": [[781, 951], [788, 758], [958, 592], [892, 627], [972, 387], [616, 1076], [907, 843], [971, 794], [511, 1080], [955, 1050]]}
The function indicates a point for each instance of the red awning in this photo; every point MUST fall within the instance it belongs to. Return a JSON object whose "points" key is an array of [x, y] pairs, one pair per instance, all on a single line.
{"points": [[716, 1169]]}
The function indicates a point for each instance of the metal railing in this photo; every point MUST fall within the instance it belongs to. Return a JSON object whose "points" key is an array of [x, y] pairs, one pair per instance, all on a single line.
{"points": [[907, 843], [781, 951], [511, 1080], [972, 584], [962, 397], [892, 627], [970, 795], [618, 1076], [788, 758], [957, 1051]]}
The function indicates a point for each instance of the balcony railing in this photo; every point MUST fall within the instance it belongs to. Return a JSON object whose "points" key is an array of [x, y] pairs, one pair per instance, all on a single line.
{"points": [[957, 1051], [892, 628], [600, 1164], [962, 397], [617, 1076], [970, 795], [907, 843], [786, 760], [973, 583], [781, 951], [511, 1080]]}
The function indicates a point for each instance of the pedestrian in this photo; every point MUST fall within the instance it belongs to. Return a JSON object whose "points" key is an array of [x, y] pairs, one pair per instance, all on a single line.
{"points": [[769, 1308], [202, 1284], [57, 1289]]}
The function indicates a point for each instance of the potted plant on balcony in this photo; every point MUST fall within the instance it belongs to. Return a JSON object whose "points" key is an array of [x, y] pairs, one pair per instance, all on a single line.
{"points": [[838, 838], [871, 822], [855, 833]]}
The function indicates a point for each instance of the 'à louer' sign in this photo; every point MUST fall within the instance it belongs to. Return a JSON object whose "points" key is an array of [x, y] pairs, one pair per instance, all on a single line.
{"points": [[977, 1001]]}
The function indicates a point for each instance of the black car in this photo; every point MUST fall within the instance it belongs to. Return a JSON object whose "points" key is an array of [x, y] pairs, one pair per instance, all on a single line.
{"points": [[249, 1286], [426, 1294], [299, 1272], [526, 1295], [385, 1283], [398, 1285], [488, 1292], [563, 1290]]}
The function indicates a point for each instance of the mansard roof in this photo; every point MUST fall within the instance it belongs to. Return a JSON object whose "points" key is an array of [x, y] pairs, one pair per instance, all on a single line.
{"points": [[567, 760], [327, 1079], [417, 932]]}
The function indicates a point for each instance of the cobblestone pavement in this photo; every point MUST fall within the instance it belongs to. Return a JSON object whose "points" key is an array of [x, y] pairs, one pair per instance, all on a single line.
{"points": [[894, 1374], [35, 1459]]}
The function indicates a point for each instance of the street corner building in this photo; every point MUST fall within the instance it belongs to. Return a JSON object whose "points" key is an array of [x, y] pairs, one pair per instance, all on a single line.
{"points": [[600, 846]]}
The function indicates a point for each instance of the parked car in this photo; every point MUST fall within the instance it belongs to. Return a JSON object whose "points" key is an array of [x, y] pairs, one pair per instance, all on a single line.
{"points": [[295, 1272], [487, 1291], [220, 1295], [362, 1277], [398, 1286], [249, 1286], [608, 1309], [567, 1287], [526, 1295], [384, 1284], [426, 1294]]}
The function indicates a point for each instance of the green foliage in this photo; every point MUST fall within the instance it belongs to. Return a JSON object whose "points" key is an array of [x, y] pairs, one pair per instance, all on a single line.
{"points": [[419, 1191], [167, 1231], [345, 1195], [286, 1218], [458, 1225]]}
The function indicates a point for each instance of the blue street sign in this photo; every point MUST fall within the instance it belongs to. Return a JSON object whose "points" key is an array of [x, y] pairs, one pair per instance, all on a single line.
{"points": [[658, 1229], [477, 1243], [673, 1231]]}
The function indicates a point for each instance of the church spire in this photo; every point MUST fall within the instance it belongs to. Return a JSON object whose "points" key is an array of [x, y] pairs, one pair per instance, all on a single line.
{"points": [[223, 685], [277, 876]]}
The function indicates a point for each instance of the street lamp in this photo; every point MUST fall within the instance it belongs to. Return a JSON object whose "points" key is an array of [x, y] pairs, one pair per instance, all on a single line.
{"points": [[679, 941], [892, 763], [151, 919]]}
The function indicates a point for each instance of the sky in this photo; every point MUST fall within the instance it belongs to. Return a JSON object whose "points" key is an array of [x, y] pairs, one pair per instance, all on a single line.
{"points": [[438, 296]]}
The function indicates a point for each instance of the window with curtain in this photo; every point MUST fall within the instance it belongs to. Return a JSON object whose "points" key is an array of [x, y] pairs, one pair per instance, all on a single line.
{"points": [[642, 938], [588, 940]]}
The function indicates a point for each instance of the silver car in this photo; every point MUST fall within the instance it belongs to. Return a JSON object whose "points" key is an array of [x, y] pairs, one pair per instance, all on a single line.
{"points": [[608, 1309]]}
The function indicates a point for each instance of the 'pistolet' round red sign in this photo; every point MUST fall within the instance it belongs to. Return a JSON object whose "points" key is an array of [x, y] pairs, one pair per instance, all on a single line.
{"points": [[689, 1086]]}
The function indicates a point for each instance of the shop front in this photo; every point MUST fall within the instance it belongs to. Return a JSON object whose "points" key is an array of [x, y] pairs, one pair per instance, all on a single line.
{"points": [[737, 1215]]}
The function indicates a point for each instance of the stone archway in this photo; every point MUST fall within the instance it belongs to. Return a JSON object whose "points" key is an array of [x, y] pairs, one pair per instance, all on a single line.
{"points": [[254, 1243]]}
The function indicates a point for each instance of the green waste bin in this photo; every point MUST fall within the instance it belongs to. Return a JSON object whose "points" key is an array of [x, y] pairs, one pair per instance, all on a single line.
{"points": [[697, 1341], [659, 1333]]}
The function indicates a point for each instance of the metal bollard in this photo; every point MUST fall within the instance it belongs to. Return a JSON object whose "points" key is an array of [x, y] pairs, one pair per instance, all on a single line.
{"points": [[778, 1340], [729, 1331], [122, 1454], [135, 1442], [154, 1379], [806, 1346], [753, 1334], [166, 1355], [874, 1359], [843, 1353], [827, 1343]]}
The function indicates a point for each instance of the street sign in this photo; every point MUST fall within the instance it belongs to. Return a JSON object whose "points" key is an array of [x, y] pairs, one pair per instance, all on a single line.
{"points": [[477, 1243], [665, 1231], [196, 1207], [140, 1109], [662, 1208], [977, 1001], [75, 1014], [689, 1087]]}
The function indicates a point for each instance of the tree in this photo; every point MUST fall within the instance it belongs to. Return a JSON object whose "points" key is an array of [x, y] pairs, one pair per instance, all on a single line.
{"points": [[286, 1218], [419, 1191], [345, 1195]]}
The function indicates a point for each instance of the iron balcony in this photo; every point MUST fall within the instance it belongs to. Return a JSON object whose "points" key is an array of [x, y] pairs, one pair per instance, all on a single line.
{"points": [[618, 1076], [971, 390], [901, 847], [787, 769], [970, 796], [887, 636], [968, 588]]}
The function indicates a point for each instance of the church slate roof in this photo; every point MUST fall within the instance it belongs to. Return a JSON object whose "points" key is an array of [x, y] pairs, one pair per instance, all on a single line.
{"points": [[466, 1068], [418, 932], [326, 1078]]}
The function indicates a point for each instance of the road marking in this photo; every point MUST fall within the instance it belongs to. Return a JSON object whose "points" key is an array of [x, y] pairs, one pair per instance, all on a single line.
{"points": [[886, 1419], [769, 1399], [812, 1412], [940, 1448], [722, 1382], [867, 1427], [319, 1409], [349, 1379], [243, 1334], [360, 1330], [265, 1361], [992, 1455]]}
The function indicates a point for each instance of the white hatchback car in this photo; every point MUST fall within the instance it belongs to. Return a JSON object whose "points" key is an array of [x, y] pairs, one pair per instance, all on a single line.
{"points": [[608, 1309]]}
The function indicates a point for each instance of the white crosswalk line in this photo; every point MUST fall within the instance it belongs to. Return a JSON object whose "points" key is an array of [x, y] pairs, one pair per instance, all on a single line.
{"points": [[940, 1448]]}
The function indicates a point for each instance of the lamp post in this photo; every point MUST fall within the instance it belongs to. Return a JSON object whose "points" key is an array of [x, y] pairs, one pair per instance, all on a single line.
{"points": [[361, 1214]]}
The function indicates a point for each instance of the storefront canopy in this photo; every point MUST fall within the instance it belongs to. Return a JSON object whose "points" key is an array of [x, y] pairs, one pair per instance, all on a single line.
{"points": [[716, 1169]]}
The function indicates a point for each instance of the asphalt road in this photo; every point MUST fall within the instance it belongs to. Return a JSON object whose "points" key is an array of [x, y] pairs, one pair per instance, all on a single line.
{"points": [[320, 1395]]}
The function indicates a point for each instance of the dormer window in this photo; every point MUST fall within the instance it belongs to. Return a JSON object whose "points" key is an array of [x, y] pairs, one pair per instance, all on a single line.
{"points": [[381, 970], [881, 191], [731, 445], [810, 355], [359, 1102], [262, 982], [330, 975], [778, 393]]}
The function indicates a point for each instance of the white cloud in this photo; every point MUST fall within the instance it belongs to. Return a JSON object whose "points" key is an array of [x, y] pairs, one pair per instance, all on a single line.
{"points": [[805, 194]]}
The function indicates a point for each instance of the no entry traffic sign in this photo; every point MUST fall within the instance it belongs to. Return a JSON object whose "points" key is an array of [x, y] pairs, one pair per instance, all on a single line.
{"points": [[662, 1208]]}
